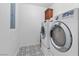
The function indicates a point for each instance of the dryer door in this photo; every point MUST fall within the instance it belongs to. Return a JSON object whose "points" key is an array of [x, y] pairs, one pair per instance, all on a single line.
{"points": [[61, 37]]}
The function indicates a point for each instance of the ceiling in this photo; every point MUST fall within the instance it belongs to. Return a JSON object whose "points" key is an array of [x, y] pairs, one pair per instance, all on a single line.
{"points": [[43, 4]]}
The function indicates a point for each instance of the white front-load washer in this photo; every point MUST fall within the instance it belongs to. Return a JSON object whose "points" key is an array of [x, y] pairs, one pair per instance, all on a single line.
{"points": [[44, 37], [64, 31]]}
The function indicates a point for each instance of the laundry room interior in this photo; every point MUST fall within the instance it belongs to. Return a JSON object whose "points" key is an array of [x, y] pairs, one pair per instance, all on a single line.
{"points": [[39, 29]]}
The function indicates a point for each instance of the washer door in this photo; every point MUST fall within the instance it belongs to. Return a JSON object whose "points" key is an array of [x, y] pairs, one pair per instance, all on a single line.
{"points": [[61, 37]]}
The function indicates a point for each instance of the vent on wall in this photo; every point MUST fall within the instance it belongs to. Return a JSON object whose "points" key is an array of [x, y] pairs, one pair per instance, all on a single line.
{"points": [[12, 16]]}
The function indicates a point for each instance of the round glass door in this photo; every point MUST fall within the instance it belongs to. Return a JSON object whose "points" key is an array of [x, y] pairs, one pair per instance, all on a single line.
{"points": [[58, 36], [61, 37]]}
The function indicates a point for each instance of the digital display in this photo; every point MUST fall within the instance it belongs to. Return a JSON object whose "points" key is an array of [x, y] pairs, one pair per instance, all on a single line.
{"points": [[68, 13]]}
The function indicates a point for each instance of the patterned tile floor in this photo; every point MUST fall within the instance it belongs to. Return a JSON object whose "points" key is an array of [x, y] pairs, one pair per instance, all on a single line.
{"points": [[30, 51]]}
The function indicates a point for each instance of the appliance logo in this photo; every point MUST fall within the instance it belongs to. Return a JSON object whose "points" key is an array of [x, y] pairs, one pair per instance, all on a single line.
{"points": [[68, 14]]}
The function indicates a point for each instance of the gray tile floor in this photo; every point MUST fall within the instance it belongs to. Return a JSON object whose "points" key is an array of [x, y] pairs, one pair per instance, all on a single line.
{"points": [[30, 51]]}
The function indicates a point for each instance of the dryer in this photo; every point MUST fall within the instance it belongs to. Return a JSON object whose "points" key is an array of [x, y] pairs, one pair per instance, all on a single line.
{"points": [[44, 37], [64, 31]]}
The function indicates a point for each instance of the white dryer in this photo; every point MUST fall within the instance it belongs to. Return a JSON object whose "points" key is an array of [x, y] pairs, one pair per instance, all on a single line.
{"points": [[64, 31], [44, 37]]}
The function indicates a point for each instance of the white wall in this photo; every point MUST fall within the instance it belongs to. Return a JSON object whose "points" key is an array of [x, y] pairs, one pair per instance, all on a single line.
{"points": [[14, 33], [30, 17], [62, 7], [8, 37], [27, 31]]}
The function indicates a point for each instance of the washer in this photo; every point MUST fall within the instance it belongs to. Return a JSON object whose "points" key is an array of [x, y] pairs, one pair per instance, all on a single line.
{"points": [[64, 31], [44, 37]]}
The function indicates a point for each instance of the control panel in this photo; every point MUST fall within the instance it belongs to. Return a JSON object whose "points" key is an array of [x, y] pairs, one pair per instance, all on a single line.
{"points": [[69, 13]]}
